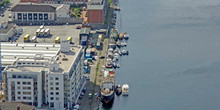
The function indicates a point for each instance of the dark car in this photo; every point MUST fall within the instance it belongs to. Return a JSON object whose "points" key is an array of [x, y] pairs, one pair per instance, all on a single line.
{"points": [[102, 57], [2, 15], [78, 27]]}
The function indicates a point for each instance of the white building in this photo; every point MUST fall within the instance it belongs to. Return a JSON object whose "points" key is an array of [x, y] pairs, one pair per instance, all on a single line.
{"points": [[53, 82]]}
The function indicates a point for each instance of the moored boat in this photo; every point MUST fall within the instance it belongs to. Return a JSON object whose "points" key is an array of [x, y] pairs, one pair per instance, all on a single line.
{"points": [[125, 89], [121, 36], [126, 36], [107, 92], [118, 89]]}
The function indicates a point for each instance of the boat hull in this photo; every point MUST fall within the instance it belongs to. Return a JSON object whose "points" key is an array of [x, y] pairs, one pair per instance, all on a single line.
{"points": [[107, 99]]}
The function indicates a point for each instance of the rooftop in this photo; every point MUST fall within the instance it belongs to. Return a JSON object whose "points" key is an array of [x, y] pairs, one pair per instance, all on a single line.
{"points": [[85, 31], [33, 8], [5, 30], [13, 106], [65, 61], [96, 4]]}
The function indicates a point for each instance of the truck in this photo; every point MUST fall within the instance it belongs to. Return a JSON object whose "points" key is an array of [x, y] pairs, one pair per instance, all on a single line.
{"points": [[38, 32], [57, 40], [69, 39], [47, 32], [41, 32], [26, 38], [34, 39]]}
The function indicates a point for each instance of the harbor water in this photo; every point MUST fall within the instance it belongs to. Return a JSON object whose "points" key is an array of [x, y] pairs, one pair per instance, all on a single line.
{"points": [[174, 55]]}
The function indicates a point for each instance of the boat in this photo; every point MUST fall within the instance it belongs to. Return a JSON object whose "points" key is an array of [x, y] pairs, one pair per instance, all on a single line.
{"points": [[126, 36], [125, 89], [118, 66], [124, 52], [114, 65], [107, 91], [118, 89], [121, 35], [118, 43], [108, 63], [124, 44]]}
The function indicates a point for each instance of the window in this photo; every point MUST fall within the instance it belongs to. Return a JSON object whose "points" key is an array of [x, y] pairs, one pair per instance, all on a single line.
{"points": [[25, 16], [57, 93], [40, 16], [28, 88], [51, 104], [51, 83], [18, 82], [57, 83], [19, 76], [24, 82], [30, 16], [19, 16], [51, 88], [57, 88], [57, 78], [51, 98], [45, 16], [18, 87], [57, 98], [29, 83], [51, 78], [35, 16], [13, 76], [19, 97], [24, 97], [19, 92], [51, 93]]}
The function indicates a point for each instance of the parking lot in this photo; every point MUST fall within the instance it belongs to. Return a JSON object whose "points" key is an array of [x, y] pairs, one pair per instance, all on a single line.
{"points": [[62, 31]]}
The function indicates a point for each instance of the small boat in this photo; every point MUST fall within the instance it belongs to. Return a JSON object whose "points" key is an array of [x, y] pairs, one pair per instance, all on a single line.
{"points": [[125, 89], [124, 52], [127, 53], [121, 36], [118, 43], [118, 66], [126, 36], [114, 65], [118, 89]]}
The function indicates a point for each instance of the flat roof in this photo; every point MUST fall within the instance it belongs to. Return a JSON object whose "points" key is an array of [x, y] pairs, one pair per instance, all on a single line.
{"points": [[85, 31], [14, 105], [96, 4], [33, 8], [64, 65], [11, 51], [5, 30]]}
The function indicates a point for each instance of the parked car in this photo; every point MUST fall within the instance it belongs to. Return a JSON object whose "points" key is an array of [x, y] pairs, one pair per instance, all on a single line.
{"points": [[78, 27], [102, 57], [2, 15], [90, 95]]}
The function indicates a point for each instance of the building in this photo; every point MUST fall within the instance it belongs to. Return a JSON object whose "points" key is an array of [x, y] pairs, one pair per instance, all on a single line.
{"points": [[52, 79], [83, 36], [6, 31], [63, 11], [15, 106], [97, 10], [71, 2], [27, 14], [33, 13], [32, 1]]}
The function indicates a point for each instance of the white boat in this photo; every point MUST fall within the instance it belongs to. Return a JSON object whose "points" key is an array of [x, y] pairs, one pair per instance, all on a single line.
{"points": [[126, 36], [124, 52], [125, 89]]}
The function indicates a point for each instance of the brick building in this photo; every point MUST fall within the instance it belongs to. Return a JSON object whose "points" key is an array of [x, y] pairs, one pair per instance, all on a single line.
{"points": [[97, 10]]}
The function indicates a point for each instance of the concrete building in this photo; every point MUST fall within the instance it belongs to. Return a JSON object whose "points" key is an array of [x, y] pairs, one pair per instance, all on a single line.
{"points": [[97, 10], [32, 1], [71, 2], [33, 13], [7, 31], [62, 11], [52, 79]]}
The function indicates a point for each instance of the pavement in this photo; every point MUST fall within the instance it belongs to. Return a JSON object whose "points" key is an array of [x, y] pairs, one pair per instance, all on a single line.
{"points": [[63, 31]]}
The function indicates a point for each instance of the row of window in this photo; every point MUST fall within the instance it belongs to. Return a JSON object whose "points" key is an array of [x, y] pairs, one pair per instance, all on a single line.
{"points": [[57, 83], [34, 16], [51, 88], [19, 63], [24, 83], [28, 98], [24, 88], [52, 98], [52, 93]]}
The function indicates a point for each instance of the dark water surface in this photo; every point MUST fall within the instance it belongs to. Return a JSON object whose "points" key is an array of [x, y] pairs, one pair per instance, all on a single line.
{"points": [[174, 60]]}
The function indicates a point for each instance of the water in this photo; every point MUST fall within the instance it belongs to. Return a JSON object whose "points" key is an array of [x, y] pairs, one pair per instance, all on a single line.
{"points": [[174, 59]]}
